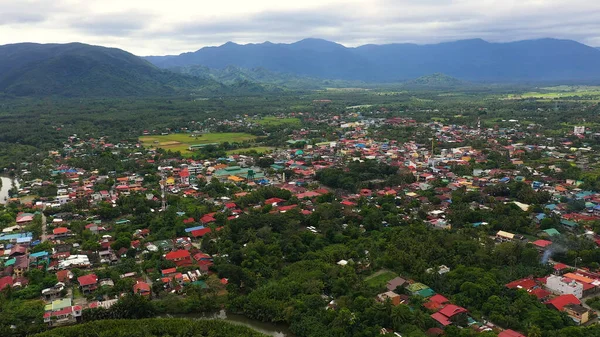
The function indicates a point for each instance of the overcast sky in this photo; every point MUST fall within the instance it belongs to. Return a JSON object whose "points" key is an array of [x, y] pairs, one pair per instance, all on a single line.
{"points": [[159, 27]]}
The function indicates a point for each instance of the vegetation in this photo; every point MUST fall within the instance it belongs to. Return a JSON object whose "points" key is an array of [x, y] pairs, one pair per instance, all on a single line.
{"points": [[273, 121], [436, 80], [157, 327], [282, 266], [79, 70], [181, 142]]}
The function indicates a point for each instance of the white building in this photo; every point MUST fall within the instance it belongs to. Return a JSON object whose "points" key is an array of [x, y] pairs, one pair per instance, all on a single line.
{"points": [[579, 130], [74, 261], [63, 199], [564, 285]]}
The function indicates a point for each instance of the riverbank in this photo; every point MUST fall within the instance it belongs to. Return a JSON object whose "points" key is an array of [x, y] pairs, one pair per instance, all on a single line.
{"points": [[153, 327], [269, 329]]}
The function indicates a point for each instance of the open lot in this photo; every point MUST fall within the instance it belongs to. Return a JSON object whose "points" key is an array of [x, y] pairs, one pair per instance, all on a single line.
{"points": [[258, 149], [274, 121], [182, 141], [380, 279]]}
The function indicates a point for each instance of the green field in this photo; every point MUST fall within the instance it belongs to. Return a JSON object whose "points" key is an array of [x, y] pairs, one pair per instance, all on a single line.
{"points": [[275, 121], [259, 149], [182, 141], [560, 92], [380, 278]]}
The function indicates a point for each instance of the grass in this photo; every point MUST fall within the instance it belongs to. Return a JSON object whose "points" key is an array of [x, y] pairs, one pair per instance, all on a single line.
{"points": [[182, 141], [77, 293], [275, 121], [417, 99], [380, 278], [551, 93], [259, 149], [346, 89]]}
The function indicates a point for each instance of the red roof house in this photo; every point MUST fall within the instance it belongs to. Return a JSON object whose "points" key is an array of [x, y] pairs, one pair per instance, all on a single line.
{"points": [[436, 302], [560, 267], [60, 231], [207, 219], [88, 283], [510, 333], [452, 310], [542, 243], [272, 201], [169, 271], [443, 320], [142, 288], [6, 281], [202, 256], [540, 293], [526, 283], [561, 301], [64, 276], [180, 257], [200, 232], [286, 208]]}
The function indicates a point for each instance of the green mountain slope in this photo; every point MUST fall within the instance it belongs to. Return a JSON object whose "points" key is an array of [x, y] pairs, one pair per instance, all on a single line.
{"points": [[78, 70], [436, 80], [271, 80], [543, 60]]}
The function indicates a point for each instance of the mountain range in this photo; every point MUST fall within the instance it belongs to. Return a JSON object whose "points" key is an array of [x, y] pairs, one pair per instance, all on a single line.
{"points": [[471, 60], [75, 69], [80, 70]]}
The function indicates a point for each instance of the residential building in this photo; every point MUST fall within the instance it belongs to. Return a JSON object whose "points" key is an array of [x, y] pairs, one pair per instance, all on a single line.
{"points": [[180, 257], [390, 295], [564, 285], [88, 283], [578, 313], [142, 288]]}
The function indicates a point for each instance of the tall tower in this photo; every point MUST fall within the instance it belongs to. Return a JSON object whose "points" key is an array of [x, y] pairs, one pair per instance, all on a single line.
{"points": [[163, 182]]}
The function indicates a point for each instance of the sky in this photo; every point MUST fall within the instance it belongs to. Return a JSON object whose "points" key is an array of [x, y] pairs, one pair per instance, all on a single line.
{"points": [[161, 27]]}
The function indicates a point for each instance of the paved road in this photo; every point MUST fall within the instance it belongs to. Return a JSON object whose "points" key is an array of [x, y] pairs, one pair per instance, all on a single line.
{"points": [[44, 226]]}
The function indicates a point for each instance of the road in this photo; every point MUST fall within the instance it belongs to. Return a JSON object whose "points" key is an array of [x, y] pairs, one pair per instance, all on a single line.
{"points": [[44, 226]]}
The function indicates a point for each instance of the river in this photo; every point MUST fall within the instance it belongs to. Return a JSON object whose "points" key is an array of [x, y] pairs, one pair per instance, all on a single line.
{"points": [[6, 185], [268, 329]]}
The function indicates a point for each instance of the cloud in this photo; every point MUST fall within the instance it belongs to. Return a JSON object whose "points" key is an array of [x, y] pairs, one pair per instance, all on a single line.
{"points": [[8, 18], [27, 11], [112, 24], [261, 23], [390, 21], [160, 27]]}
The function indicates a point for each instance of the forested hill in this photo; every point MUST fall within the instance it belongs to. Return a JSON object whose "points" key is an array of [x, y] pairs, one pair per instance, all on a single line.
{"points": [[233, 75], [471, 60], [76, 69]]}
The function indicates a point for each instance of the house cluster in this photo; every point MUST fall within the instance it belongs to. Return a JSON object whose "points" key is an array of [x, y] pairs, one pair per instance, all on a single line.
{"points": [[445, 313], [446, 156], [563, 290]]}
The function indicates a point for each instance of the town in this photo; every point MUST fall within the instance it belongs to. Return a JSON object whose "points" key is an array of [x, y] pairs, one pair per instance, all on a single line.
{"points": [[366, 219]]}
